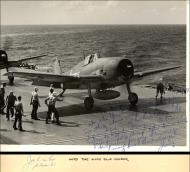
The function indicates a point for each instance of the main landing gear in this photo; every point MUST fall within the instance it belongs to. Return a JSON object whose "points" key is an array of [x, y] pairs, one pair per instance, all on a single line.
{"points": [[133, 98], [89, 101]]}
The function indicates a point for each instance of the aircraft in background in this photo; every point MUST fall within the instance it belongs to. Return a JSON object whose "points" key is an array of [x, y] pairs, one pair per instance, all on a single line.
{"points": [[5, 63], [94, 72]]}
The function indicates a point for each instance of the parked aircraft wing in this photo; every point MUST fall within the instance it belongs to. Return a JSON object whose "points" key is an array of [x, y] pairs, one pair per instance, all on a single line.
{"points": [[29, 58], [150, 72], [60, 78]]}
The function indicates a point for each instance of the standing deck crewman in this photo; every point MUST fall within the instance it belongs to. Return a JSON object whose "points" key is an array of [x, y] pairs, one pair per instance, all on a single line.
{"points": [[2, 98], [35, 103], [52, 98], [160, 88], [52, 115], [10, 100], [18, 114]]}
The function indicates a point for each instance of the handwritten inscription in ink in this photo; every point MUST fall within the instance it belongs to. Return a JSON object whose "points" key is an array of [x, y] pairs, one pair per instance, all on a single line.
{"points": [[119, 130], [33, 162]]}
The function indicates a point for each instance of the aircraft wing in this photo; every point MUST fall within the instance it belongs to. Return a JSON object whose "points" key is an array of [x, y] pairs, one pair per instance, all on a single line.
{"points": [[150, 72], [26, 59], [60, 78]]}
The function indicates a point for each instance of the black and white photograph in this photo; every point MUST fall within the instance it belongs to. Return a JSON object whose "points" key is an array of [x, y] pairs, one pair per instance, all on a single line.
{"points": [[94, 76]]}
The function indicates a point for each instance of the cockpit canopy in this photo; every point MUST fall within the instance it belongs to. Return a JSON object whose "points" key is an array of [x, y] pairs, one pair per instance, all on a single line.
{"points": [[91, 58]]}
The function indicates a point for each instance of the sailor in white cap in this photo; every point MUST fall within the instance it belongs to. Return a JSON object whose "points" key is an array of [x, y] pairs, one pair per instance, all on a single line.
{"points": [[35, 103]]}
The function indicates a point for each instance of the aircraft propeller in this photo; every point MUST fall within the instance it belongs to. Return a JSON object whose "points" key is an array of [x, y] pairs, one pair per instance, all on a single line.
{"points": [[6, 46], [126, 69]]}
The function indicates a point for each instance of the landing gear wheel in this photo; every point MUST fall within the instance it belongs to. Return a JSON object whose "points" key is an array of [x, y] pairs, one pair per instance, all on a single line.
{"points": [[133, 98], [88, 103]]}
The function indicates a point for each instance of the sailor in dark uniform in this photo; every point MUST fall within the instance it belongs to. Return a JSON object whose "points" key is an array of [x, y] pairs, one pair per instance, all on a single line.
{"points": [[11, 78], [2, 98], [11, 99], [160, 88]]}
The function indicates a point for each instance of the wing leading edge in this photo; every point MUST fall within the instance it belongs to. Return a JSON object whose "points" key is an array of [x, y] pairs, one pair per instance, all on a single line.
{"points": [[27, 59], [60, 78], [150, 72]]}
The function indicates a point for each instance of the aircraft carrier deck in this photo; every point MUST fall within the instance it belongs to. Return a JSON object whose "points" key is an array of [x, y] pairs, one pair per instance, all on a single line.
{"points": [[151, 123]]}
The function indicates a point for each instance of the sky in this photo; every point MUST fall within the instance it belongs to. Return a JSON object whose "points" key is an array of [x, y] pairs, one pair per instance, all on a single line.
{"points": [[92, 12]]}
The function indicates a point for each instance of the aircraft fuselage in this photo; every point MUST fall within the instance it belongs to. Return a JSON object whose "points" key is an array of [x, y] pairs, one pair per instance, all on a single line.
{"points": [[107, 67]]}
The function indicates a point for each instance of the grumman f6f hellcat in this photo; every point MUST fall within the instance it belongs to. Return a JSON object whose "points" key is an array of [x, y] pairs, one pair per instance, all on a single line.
{"points": [[94, 72]]}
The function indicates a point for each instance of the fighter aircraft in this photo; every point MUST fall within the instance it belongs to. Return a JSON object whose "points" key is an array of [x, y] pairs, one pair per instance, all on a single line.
{"points": [[5, 63], [95, 72]]}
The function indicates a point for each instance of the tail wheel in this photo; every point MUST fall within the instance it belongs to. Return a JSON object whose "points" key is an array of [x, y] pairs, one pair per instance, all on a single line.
{"points": [[88, 103], [133, 98]]}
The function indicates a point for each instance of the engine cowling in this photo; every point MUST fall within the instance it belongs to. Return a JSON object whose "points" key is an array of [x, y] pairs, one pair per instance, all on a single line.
{"points": [[125, 68]]}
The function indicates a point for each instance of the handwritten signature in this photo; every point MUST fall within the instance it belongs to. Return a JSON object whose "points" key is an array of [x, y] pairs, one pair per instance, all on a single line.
{"points": [[33, 162]]}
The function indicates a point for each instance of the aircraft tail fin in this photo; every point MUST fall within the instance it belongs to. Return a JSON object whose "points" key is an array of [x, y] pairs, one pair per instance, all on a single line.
{"points": [[57, 67]]}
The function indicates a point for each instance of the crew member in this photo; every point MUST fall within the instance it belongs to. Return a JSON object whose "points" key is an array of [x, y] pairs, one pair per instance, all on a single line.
{"points": [[160, 88], [52, 115], [2, 98], [51, 89], [10, 100], [35, 103], [51, 86], [18, 114], [52, 98], [11, 78], [170, 86]]}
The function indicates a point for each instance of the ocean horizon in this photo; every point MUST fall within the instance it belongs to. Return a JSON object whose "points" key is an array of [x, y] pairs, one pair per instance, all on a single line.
{"points": [[147, 46]]}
